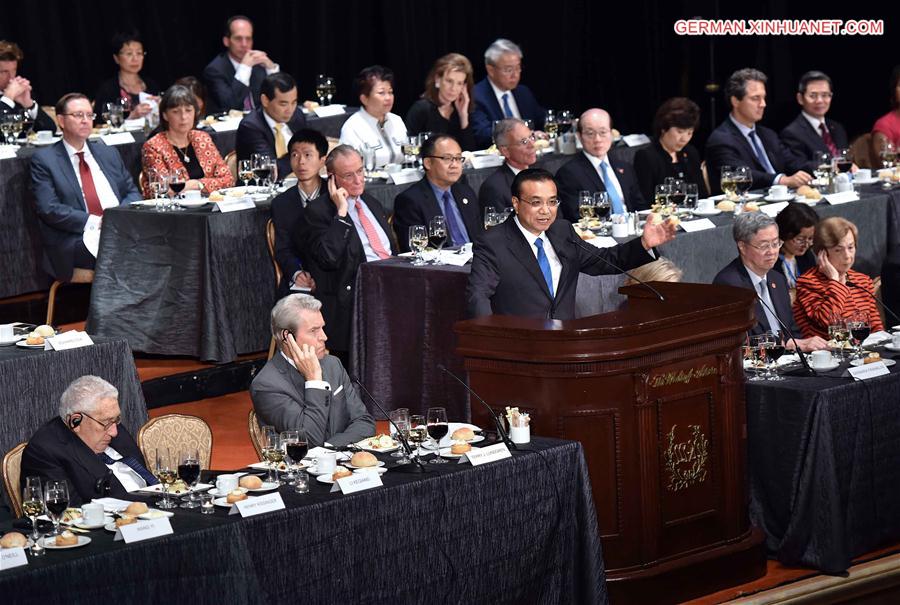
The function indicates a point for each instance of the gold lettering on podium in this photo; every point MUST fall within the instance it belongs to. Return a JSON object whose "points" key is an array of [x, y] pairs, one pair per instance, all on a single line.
{"points": [[686, 460], [682, 376]]}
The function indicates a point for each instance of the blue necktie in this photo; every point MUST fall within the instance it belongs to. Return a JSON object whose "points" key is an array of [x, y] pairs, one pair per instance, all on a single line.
{"points": [[458, 235], [614, 198], [760, 155], [134, 465], [544, 264], [507, 110]]}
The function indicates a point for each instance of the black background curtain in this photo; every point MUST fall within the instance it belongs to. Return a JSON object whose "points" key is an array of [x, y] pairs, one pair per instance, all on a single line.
{"points": [[622, 56]]}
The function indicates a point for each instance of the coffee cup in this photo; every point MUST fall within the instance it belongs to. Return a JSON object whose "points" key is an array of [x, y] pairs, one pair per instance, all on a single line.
{"points": [[193, 194], [6, 332], [44, 135], [820, 359], [92, 513], [620, 230], [895, 340], [226, 483], [778, 191], [706, 205], [520, 434], [863, 174], [326, 462]]}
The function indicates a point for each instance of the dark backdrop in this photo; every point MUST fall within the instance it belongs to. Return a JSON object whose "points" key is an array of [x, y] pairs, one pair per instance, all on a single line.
{"points": [[623, 56]]}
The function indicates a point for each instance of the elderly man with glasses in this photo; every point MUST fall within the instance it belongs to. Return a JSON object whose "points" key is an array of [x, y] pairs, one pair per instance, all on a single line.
{"points": [[756, 235], [440, 192], [529, 264], [515, 141], [74, 181], [87, 447]]}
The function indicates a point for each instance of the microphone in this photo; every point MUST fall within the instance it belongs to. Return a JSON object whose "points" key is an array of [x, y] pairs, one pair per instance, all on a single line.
{"points": [[883, 306], [509, 444], [597, 256], [807, 370], [417, 466]]}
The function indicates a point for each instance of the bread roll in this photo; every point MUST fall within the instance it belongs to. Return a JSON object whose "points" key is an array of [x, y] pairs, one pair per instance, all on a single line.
{"points": [[215, 196], [725, 206], [44, 330], [235, 496], [136, 508], [751, 207], [363, 459], [250, 482], [66, 538], [340, 473], [13, 539], [460, 448], [463, 434], [34, 339], [126, 520], [872, 358]]}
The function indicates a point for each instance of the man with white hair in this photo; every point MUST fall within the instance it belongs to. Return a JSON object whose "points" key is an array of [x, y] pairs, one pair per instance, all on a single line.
{"points": [[87, 446], [515, 141], [303, 387], [500, 95]]}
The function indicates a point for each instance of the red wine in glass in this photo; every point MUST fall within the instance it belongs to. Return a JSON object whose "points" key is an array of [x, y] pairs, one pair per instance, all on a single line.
{"points": [[177, 186], [437, 431], [189, 472], [843, 165], [860, 333], [297, 451]]}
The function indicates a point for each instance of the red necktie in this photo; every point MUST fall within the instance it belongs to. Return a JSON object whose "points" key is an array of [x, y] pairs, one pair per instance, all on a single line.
{"points": [[87, 186], [826, 137], [371, 232]]}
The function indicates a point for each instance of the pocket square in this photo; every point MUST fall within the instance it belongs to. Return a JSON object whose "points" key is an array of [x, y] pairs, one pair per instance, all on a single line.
{"points": [[337, 390]]}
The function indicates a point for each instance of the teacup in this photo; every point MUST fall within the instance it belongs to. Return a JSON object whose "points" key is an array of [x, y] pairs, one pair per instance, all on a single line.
{"points": [[863, 174], [820, 359], [6, 332], [895, 340], [193, 194], [226, 483], [326, 463], [706, 205], [778, 191], [44, 135], [620, 230], [92, 513]]}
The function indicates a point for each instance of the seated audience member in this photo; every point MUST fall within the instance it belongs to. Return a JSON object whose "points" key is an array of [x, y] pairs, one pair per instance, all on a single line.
{"points": [[595, 169], [671, 154], [374, 126], [268, 128], [74, 180], [662, 269], [832, 289], [811, 132], [16, 90], [235, 76], [529, 264], [180, 146], [302, 386], [128, 83], [439, 192], [308, 149], [756, 235], [337, 234], [515, 141], [500, 95], [741, 141], [199, 91], [87, 446], [885, 130], [796, 226], [446, 104]]}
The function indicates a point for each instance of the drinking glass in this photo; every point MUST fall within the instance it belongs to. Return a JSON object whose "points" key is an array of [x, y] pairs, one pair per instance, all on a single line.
{"points": [[165, 470], [178, 178], [842, 161], [33, 503], [726, 182], [245, 171], [601, 210], [116, 115], [189, 472], [691, 195], [888, 154], [410, 149], [400, 417], [368, 154], [159, 188], [272, 177], [421, 138], [751, 354], [437, 430], [56, 499], [491, 217], [774, 351], [418, 239], [551, 124], [838, 332], [417, 431], [437, 236], [743, 180], [586, 201], [325, 89], [564, 119], [763, 342], [822, 162], [859, 328], [260, 162], [295, 449], [272, 452], [661, 198]]}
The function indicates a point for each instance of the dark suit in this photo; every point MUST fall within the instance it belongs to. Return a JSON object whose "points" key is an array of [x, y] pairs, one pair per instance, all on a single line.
{"points": [[578, 174], [225, 92], [333, 252], [41, 121], [54, 453], [802, 140], [287, 208], [60, 201], [255, 136], [653, 164], [726, 146], [506, 278], [417, 205], [496, 190], [735, 274], [488, 110]]}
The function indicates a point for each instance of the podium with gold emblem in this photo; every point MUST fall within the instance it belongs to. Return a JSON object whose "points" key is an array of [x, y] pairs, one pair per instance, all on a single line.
{"points": [[655, 394]]}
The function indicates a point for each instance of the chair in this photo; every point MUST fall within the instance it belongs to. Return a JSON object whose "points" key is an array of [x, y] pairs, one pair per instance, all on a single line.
{"points": [[176, 432], [862, 153], [256, 434], [270, 242], [12, 473], [705, 171], [79, 276], [876, 292], [231, 162]]}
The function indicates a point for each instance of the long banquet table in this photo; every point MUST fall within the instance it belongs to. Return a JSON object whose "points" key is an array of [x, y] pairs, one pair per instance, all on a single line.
{"points": [[514, 531]]}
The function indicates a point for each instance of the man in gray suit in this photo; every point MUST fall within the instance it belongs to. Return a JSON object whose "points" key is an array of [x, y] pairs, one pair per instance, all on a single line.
{"points": [[302, 386]]}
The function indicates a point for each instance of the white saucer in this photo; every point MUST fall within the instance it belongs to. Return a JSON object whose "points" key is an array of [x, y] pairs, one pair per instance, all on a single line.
{"points": [[712, 212], [25, 345], [825, 368], [16, 338], [82, 525], [325, 479], [891, 347], [787, 198], [193, 203], [868, 181]]}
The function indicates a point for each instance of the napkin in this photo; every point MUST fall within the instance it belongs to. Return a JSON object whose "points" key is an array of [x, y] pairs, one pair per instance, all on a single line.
{"points": [[877, 338]]}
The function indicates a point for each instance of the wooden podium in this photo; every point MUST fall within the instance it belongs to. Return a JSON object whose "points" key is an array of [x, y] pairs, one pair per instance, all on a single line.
{"points": [[655, 394]]}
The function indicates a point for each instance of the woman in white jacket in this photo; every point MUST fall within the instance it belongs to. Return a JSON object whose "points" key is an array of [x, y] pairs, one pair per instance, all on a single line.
{"points": [[374, 125]]}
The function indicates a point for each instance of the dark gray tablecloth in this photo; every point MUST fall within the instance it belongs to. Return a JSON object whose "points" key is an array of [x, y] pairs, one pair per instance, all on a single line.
{"points": [[521, 530], [31, 382], [824, 466]]}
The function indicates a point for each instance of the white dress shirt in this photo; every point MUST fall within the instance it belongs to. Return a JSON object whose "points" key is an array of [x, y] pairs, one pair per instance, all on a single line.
{"points": [[815, 123], [611, 172], [129, 479], [555, 264], [362, 127], [746, 132], [30, 112], [108, 198], [243, 72], [509, 97], [367, 247]]}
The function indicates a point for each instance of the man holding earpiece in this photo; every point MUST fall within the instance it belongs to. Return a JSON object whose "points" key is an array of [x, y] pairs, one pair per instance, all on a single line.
{"points": [[87, 446]]}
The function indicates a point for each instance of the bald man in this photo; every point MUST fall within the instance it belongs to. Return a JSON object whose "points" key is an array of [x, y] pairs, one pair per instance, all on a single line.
{"points": [[595, 169]]}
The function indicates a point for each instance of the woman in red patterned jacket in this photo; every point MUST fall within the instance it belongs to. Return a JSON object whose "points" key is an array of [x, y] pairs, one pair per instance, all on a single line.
{"points": [[179, 145], [832, 289]]}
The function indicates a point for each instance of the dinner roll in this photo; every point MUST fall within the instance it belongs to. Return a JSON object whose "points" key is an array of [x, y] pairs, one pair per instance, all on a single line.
{"points": [[340, 473], [751, 207], [235, 496], [725, 206], [13, 539], [44, 330], [463, 434], [66, 538], [872, 357], [362, 459], [136, 508], [34, 339], [460, 448], [125, 521], [250, 482]]}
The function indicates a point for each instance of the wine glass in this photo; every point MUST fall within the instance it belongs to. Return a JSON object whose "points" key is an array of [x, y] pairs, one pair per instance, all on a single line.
{"points": [[189, 471], [551, 123], [822, 163], [774, 351], [418, 239], [585, 200], [422, 137], [368, 154], [437, 235], [437, 430], [295, 448], [564, 121], [726, 182], [33, 503], [676, 192], [743, 180], [116, 115], [400, 418], [602, 209], [751, 354], [417, 431], [158, 181], [661, 195], [888, 154], [272, 176], [166, 472], [842, 161], [272, 452], [691, 195], [838, 333], [410, 149], [859, 327], [491, 217], [177, 180], [325, 89], [260, 167], [245, 171], [56, 499]]}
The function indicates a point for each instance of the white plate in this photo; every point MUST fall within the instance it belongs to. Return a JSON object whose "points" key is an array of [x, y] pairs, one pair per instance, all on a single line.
{"points": [[787, 198], [83, 525], [887, 362], [143, 203], [155, 513], [44, 143], [363, 445], [267, 486], [868, 181], [891, 347], [325, 479], [223, 502], [713, 212], [376, 469], [446, 453], [110, 526], [748, 198], [23, 344], [192, 203], [49, 543], [447, 442], [349, 465], [825, 368], [215, 492]]}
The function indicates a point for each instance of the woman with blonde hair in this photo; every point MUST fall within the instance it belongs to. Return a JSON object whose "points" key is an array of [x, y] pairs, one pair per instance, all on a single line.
{"points": [[662, 269], [446, 105]]}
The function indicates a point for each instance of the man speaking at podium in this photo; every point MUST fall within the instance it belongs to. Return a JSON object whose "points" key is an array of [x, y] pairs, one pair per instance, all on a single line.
{"points": [[529, 265]]}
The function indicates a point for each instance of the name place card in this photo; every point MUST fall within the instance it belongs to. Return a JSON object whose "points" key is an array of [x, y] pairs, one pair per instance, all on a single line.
{"points": [[602, 241], [868, 370], [486, 161], [226, 125], [235, 204], [257, 506], [357, 482], [326, 111], [144, 530], [698, 225], [635, 140], [842, 198], [402, 177], [12, 557], [483, 455], [73, 339], [118, 138]]}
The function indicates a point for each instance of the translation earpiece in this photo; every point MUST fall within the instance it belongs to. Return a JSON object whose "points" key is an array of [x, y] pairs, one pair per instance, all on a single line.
{"points": [[75, 420]]}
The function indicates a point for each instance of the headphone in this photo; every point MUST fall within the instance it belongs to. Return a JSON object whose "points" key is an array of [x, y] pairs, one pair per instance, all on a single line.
{"points": [[284, 335], [74, 420]]}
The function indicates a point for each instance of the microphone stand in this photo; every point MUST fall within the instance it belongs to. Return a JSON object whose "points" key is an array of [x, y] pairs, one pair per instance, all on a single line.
{"points": [[509, 444], [597, 256], [807, 370], [416, 467], [883, 306]]}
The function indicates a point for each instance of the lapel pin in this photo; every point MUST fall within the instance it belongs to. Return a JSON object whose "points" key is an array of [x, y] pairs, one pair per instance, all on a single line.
{"points": [[773, 285], [465, 200], [621, 171]]}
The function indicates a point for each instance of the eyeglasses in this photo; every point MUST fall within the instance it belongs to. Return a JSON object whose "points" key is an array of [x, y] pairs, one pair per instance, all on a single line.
{"points": [[106, 425], [448, 159], [80, 115], [510, 70], [815, 96], [349, 175], [802, 241], [590, 134], [766, 246], [539, 203], [522, 142], [133, 55]]}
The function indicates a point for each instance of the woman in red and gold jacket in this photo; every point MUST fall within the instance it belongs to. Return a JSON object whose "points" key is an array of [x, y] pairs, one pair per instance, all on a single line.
{"points": [[832, 289], [179, 145]]}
